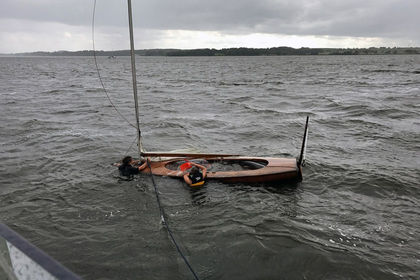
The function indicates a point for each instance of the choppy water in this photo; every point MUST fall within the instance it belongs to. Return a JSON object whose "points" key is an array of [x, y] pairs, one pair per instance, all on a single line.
{"points": [[354, 216]]}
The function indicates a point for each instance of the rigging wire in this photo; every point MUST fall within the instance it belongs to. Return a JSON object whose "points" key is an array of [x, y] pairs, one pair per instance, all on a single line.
{"points": [[129, 148], [161, 210], [168, 229], [97, 68]]}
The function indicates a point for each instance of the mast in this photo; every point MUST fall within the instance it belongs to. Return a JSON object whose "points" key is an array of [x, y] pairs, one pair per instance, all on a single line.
{"points": [[301, 160], [133, 73]]}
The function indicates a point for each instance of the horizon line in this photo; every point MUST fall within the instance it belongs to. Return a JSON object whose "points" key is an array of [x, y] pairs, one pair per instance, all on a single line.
{"points": [[207, 48]]}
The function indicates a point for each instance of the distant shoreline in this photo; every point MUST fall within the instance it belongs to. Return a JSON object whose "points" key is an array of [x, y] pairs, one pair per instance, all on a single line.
{"points": [[278, 51]]}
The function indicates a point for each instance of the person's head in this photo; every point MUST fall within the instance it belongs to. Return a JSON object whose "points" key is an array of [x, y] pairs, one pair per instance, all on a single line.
{"points": [[194, 170], [127, 160]]}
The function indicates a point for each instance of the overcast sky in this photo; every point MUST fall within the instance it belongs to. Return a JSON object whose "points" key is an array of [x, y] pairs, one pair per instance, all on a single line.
{"points": [[51, 25]]}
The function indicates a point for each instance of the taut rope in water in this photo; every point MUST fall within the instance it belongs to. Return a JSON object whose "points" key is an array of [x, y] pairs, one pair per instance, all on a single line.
{"points": [[161, 210], [168, 229]]}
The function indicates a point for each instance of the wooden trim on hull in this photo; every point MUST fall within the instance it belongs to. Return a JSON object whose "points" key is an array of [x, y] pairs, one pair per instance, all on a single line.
{"points": [[185, 155], [275, 170], [261, 178]]}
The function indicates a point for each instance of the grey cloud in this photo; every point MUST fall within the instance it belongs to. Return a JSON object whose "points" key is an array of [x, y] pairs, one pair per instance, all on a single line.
{"points": [[73, 12], [367, 18]]}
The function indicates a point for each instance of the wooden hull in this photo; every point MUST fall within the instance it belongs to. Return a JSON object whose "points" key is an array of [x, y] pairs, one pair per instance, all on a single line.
{"points": [[271, 169], [259, 169]]}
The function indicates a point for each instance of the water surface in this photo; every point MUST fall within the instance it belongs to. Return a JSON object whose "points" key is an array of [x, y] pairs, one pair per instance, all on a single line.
{"points": [[355, 215]]}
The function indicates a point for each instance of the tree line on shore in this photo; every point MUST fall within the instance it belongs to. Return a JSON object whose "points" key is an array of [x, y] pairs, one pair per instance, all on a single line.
{"points": [[238, 52]]}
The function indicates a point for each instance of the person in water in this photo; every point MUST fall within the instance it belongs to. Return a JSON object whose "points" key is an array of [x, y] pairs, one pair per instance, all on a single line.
{"points": [[128, 166], [196, 175]]}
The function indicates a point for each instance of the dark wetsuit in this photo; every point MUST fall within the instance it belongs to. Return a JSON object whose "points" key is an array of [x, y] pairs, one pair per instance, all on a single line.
{"points": [[196, 177], [128, 170]]}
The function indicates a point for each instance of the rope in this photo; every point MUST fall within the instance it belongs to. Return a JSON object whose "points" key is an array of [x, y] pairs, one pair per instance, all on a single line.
{"points": [[97, 68], [129, 148], [161, 210], [168, 229]]}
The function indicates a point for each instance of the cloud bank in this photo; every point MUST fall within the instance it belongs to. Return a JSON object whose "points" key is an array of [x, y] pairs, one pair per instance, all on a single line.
{"points": [[56, 25]]}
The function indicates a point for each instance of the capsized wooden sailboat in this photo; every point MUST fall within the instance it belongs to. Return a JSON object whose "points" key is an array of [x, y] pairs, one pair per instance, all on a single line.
{"points": [[255, 169], [250, 169], [231, 168]]}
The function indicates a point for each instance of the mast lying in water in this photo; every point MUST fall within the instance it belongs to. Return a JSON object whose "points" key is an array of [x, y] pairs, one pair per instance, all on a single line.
{"points": [[133, 73]]}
